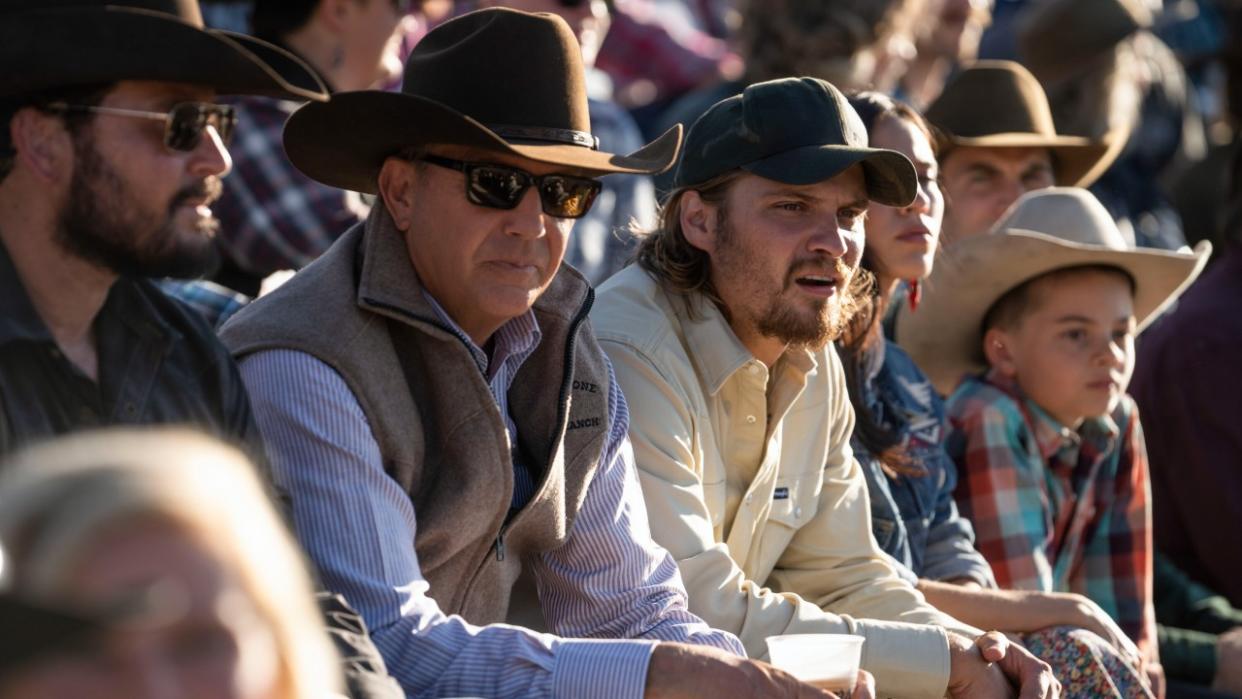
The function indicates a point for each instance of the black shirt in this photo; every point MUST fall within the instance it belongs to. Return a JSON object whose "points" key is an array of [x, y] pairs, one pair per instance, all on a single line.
{"points": [[159, 363]]}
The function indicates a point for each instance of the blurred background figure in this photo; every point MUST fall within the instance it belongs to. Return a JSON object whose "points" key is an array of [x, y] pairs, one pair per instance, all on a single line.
{"points": [[165, 539], [601, 242], [272, 217], [1108, 76], [942, 45]]}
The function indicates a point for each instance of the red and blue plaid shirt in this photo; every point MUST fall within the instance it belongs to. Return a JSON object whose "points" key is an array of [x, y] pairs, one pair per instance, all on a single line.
{"points": [[272, 217], [1056, 509]]}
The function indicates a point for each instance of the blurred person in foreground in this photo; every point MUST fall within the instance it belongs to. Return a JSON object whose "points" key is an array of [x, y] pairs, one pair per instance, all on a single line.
{"points": [[602, 242], [721, 338], [436, 404], [165, 540], [998, 141], [898, 440], [272, 217]]}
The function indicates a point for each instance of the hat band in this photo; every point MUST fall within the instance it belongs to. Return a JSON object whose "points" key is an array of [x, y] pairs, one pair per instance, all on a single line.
{"points": [[546, 134]]}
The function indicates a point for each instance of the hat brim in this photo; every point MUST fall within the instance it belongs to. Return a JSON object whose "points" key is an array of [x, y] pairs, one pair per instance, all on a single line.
{"points": [[343, 143], [1079, 162], [944, 336], [890, 176], [88, 46], [42, 630]]}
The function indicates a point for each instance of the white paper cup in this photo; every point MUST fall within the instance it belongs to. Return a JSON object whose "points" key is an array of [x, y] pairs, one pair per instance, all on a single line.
{"points": [[826, 660]]}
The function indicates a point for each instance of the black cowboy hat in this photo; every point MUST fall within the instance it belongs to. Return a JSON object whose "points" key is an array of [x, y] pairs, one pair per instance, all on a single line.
{"points": [[496, 79], [62, 43]]}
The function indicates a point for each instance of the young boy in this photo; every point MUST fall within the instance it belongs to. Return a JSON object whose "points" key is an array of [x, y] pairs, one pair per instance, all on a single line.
{"points": [[1040, 317]]}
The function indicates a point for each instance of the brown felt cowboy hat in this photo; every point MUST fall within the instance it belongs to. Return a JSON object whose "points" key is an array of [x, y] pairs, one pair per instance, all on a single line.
{"points": [[1060, 39], [496, 79], [48, 44], [1045, 230], [999, 104]]}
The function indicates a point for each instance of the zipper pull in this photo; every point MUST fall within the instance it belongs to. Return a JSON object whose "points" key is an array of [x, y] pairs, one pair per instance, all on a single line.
{"points": [[500, 546]]}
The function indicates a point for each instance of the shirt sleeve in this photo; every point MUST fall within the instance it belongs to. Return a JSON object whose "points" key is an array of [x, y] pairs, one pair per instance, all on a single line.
{"points": [[908, 659], [950, 553], [1000, 492], [357, 524], [635, 588]]}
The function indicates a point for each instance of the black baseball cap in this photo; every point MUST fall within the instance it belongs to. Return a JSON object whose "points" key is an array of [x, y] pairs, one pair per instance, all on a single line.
{"points": [[796, 131]]}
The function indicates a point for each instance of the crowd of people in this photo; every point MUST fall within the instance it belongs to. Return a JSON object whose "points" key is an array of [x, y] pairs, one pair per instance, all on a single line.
{"points": [[382, 348]]}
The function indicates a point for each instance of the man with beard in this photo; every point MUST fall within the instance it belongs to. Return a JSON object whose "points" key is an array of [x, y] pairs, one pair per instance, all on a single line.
{"points": [[740, 419], [111, 153]]}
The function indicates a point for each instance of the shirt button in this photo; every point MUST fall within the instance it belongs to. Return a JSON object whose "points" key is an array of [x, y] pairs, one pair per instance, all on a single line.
{"points": [[797, 512], [753, 368], [748, 499], [751, 419]]}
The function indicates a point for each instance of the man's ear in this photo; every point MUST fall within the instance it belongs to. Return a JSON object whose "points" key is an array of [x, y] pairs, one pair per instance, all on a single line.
{"points": [[396, 188], [335, 14], [698, 221], [42, 143], [998, 347]]}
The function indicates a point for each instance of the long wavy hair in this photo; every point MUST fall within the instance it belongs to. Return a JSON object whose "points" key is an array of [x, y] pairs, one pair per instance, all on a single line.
{"points": [[863, 336]]}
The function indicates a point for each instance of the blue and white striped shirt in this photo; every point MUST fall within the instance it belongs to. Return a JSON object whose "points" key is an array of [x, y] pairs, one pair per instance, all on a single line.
{"points": [[609, 581]]}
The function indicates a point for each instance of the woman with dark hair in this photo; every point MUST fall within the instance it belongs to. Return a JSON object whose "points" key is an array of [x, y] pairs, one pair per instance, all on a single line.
{"points": [[898, 442]]}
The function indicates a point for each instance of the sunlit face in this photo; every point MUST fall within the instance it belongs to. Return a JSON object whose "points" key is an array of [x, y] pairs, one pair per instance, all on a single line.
{"points": [[901, 241], [981, 184], [133, 205], [484, 266], [200, 638], [783, 259], [957, 29], [1073, 351]]}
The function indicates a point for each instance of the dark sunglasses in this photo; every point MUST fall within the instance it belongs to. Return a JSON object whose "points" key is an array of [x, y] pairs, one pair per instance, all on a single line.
{"points": [[502, 187], [184, 124]]}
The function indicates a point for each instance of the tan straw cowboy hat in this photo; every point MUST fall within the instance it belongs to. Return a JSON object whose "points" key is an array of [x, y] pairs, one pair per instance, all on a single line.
{"points": [[48, 44], [999, 104], [1045, 230], [495, 79]]}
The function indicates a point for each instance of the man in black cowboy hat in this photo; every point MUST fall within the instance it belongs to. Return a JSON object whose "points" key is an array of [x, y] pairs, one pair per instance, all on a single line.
{"points": [[435, 401], [111, 153]]}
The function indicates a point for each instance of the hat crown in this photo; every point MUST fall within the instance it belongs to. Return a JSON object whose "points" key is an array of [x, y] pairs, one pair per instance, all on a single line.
{"points": [[503, 68], [186, 10], [1071, 214], [768, 118], [993, 97]]}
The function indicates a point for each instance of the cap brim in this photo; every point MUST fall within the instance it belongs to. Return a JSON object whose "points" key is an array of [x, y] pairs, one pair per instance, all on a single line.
{"points": [[944, 336], [343, 143], [38, 630], [890, 176], [88, 46], [1079, 161]]}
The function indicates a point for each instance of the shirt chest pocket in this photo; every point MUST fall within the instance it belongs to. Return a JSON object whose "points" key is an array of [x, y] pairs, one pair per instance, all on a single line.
{"points": [[795, 500]]}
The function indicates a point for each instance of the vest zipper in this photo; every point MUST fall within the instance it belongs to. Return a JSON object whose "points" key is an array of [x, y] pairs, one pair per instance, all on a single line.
{"points": [[500, 545]]}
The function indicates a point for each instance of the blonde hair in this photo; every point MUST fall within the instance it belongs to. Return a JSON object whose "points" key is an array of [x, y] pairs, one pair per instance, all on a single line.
{"points": [[56, 499]]}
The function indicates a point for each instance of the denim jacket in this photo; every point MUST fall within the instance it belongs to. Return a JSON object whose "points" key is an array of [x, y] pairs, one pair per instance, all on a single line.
{"points": [[914, 518]]}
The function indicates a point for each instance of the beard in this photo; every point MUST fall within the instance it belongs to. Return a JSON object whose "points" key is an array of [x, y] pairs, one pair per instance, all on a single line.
{"points": [[106, 224], [779, 316]]}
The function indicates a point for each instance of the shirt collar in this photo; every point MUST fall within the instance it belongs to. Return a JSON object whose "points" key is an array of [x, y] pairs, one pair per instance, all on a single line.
{"points": [[18, 318], [1051, 436], [718, 353], [516, 338]]}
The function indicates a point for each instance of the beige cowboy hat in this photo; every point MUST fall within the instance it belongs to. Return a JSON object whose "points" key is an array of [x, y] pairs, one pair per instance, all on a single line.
{"points": [[47, 44], [999, 104], [496, 79], [1043, 231]]}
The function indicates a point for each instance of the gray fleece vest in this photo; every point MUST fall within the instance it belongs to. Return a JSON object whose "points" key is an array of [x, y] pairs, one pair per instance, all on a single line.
{"points": [[360, 309]]}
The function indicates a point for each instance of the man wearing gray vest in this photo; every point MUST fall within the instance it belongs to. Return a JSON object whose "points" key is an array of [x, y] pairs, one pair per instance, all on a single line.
{"points": [[435, 403]]}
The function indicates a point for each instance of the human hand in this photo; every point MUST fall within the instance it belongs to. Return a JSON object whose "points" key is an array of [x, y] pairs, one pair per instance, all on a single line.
{"points": [[1229, 662], [992, 665], [1088, 615], [682, 671]]}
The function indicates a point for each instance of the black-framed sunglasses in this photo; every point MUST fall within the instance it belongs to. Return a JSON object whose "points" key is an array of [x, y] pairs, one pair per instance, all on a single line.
{"points": [[502, 187], [184, 124]]}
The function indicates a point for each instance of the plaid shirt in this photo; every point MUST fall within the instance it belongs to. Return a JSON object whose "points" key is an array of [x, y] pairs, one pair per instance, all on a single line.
{"points": [[1055, 509], [272, 217]]}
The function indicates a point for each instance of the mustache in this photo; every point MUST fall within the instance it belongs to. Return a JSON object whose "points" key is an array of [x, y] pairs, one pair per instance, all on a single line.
{"points": [[823, 266], [209, 188]]}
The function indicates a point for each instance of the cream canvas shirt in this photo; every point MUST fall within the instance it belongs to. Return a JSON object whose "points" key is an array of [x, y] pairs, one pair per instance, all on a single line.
{"points": [[751, 484]]}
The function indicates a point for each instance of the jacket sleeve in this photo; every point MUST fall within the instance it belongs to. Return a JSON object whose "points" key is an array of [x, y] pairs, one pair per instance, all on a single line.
{"points": [[908, 659]]}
